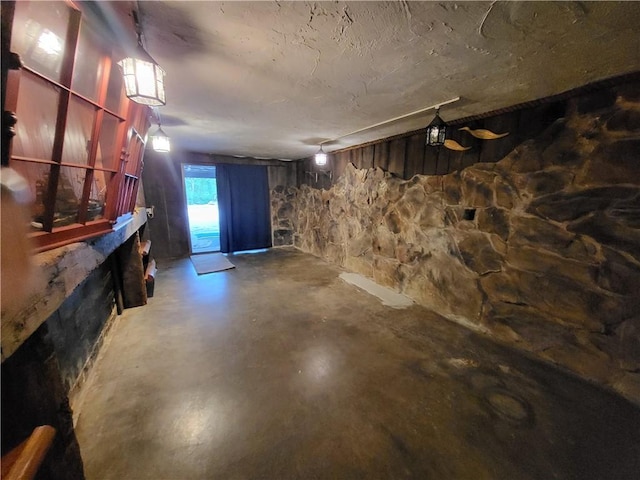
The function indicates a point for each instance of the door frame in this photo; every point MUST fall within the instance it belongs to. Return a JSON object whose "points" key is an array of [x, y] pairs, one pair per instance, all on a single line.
{"points": [[186, 202]]}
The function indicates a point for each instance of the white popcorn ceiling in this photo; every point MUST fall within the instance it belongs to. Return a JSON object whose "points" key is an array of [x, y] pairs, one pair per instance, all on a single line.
{"points": [[274, 79]]}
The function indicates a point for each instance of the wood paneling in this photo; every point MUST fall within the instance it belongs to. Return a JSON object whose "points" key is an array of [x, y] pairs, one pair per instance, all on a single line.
{"points": [[415, 156], [397, 152], [355, 157], [340, 161], [430, 163], [494, 150], [285, 175], [442, 161], [407, 155], [381, 155], [163, 189], [368, 153]]}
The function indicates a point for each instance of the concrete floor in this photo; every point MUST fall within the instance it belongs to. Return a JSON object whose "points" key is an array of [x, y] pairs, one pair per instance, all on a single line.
{"points": [[280, 370]]}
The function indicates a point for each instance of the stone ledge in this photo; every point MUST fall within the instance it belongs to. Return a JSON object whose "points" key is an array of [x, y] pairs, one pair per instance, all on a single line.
{"points": [[55, 275]]}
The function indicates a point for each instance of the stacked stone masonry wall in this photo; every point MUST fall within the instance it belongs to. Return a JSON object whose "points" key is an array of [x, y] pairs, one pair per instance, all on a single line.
{"points": [[540, 250]]}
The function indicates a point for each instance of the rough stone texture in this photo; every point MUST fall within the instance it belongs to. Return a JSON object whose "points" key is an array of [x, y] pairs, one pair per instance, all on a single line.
{"points": [[33, 394], [541, 250], [56, 274], [76, 327], [282, 215]]}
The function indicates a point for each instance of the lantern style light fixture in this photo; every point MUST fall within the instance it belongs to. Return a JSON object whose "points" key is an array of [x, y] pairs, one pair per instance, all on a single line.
{"points": [[160, 141], [436, 131], [143, 77], [321, 158]]}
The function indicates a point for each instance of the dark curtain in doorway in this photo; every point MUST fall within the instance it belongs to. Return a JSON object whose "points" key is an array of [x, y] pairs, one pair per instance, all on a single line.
{"points": [[243, 203]]}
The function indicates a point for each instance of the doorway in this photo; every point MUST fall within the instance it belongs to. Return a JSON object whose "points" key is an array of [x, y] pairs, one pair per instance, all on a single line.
{"points": [[201, 195]]}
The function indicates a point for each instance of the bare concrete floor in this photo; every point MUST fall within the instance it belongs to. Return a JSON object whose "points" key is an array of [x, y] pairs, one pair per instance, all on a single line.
{"points": [[279, 370]]}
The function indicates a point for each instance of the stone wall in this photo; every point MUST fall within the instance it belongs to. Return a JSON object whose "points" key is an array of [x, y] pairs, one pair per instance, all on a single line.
{"points": [[282, 215], [76, 328], [55, 276], [51, 336], [540, 250], [32, 395]]}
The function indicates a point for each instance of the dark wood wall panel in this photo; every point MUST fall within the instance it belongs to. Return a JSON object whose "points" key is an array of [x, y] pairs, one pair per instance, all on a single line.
{"points": [[442, 161], [162, 180], [430, 163], [340, 162], [455, 160], [407, 155], [508, 122], [285, 174], [356, 157], [415, 156], [397, 153], [368, 153], [381, 155], [470, 157]]}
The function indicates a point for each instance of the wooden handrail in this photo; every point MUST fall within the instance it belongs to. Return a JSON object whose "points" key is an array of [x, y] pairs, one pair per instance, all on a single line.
{"points": [[22, 462]]}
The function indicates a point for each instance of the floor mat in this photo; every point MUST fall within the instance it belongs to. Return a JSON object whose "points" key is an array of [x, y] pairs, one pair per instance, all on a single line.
{"points": [[211, 262]]}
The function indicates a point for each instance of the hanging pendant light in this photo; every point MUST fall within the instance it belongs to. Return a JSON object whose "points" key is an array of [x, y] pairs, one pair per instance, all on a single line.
{"points": [[143, 77], [160, 141], [321, 158], [436, 131]]}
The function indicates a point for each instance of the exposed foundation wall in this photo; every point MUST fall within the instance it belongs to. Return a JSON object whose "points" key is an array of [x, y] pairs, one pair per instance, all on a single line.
{"points": [[76, 327], [55, 276], [540, 250], [33, 395], [51, 336]]}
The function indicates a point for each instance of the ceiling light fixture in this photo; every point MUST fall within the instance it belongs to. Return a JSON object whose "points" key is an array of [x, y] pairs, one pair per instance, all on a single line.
{"points": [[436, 131], [143, 77], [394, 119], [160, 141], [321, 158]]}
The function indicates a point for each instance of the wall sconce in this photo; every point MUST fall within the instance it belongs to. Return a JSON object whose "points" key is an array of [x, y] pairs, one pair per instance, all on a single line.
{"points": [[143, 77], [436, 131], [160, 141]]}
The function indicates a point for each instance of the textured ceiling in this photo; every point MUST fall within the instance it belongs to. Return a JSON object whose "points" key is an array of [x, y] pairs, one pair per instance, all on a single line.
{"points": [[274, 79]]}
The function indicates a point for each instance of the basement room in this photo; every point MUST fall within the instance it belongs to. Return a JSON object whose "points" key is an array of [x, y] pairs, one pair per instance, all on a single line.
{"points": [[320, 240]]}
